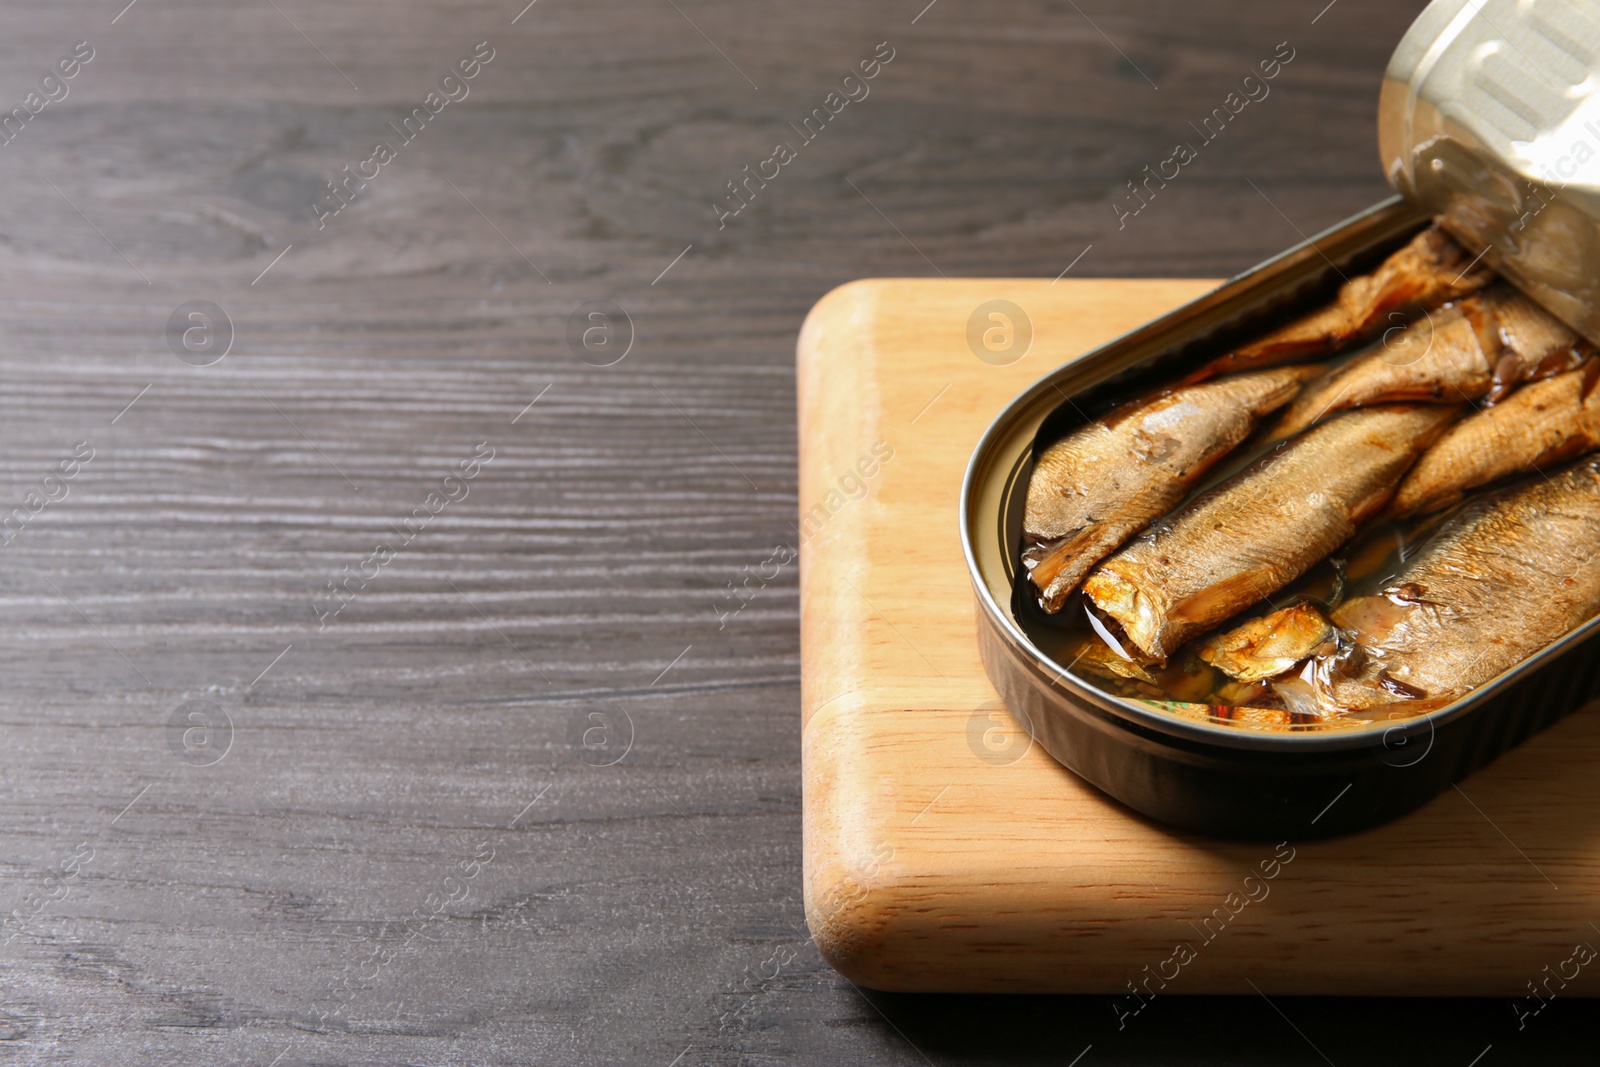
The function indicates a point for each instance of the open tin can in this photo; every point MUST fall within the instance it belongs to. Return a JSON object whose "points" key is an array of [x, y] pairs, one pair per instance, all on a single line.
{"points": [[1483, 101]]}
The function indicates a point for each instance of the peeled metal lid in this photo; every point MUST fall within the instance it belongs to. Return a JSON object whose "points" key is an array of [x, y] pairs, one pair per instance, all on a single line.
{"points": [[1490, 119]]}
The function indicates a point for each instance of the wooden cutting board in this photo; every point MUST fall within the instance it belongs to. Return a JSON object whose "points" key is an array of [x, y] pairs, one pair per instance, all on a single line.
{"points": [[945, 852]]}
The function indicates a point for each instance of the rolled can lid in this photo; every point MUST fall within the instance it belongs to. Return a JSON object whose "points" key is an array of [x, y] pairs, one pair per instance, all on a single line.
{"points": [[1490, 119]]}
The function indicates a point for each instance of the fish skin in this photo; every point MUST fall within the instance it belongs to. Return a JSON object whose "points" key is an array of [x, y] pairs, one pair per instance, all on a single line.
{"points": [[1102, 483], [1429, 271], [1542, 423], [1438, 359], [1532, 343], [1262, 528], [1269, 645], [1509, 573], [1486, 345]]}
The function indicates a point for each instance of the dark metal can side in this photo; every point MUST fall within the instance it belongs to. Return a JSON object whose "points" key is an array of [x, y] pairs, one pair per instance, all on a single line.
{"points": [[1218, 779]]}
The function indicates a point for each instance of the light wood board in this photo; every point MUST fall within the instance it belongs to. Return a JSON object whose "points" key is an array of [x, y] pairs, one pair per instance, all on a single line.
{"points": [[941, 854]]}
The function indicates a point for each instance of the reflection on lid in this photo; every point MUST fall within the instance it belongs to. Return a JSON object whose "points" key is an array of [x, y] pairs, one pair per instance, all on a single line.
{"points": [[1490, 119]]}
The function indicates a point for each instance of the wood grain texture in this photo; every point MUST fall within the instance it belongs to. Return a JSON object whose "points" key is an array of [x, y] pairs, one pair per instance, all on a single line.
{"points": [[639, 911], [945, 854]]}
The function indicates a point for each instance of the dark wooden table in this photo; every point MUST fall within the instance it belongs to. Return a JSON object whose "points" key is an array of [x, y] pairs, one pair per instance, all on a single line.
{"points": [[374, 691]]}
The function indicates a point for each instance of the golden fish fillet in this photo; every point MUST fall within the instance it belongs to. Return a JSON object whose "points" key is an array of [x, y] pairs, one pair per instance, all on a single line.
{"points": [[1438, 359], [1271, 644], [1104, 482], [1262, 528], [1429, 271], [1540, 424], [1501, 579]]}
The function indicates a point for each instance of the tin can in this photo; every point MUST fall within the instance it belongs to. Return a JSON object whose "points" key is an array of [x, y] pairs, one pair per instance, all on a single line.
{"points": [[1464, 137], [1489, 119]]}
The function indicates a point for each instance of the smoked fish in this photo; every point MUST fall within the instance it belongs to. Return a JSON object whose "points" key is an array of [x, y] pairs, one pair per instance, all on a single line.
{"points": [[1487, 345], [1438, 359], [1262, 528], [1429, 271], [1271, 644], [1544, 423], [1102, 483], [1505, 576]]}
